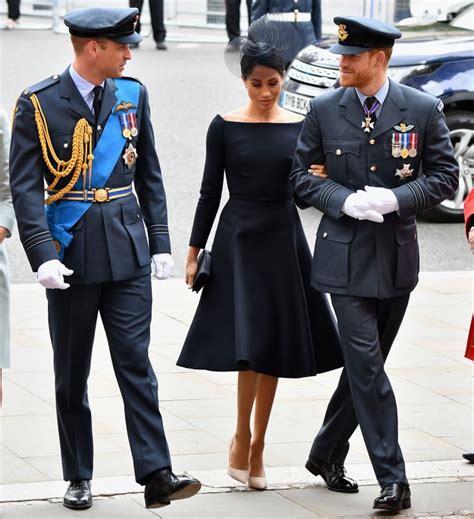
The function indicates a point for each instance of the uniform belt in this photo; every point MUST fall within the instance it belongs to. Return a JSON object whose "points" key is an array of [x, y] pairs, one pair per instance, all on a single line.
{"points": [[102, 194], [294, 16]]}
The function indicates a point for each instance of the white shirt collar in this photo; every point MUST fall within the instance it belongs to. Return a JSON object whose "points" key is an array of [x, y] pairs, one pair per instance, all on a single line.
{"points": [[380, 95], [85, 87]]}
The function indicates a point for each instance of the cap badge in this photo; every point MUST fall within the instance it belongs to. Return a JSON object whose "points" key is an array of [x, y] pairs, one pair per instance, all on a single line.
{"points": [[342, 33], [405, 172]]}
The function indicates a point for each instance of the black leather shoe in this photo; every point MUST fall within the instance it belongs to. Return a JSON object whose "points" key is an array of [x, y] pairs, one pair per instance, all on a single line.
{"points": [[165, 487], [161, 45], [333, 475], [78, 495], [394, 496], [469, 456]]}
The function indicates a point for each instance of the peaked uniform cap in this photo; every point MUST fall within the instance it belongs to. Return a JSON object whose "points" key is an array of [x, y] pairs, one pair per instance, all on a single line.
{"points": [[114, 24], [358, 34]]}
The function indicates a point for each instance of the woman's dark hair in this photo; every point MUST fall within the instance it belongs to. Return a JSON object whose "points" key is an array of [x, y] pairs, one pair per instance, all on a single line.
{"points": [[260, 53]]}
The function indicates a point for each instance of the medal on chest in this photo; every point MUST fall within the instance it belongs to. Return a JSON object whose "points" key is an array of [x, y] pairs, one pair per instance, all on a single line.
{"points": [[404, 172], [130, 156], [128, 122]]}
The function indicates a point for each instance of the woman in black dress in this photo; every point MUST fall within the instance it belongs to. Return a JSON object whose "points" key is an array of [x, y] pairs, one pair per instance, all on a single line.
{"points": [[258, 314]]}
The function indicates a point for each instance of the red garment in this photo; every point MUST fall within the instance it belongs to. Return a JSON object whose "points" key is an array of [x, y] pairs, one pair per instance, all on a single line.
{"points": [[469, 211], [468, 218], [470, 342]]}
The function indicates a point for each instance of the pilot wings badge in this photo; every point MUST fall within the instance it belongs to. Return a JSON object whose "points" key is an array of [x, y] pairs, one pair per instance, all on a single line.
{"points": [[124, 106]]}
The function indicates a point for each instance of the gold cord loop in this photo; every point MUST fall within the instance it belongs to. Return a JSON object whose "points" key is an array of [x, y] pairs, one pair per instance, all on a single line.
{"points": [[81, 153]]}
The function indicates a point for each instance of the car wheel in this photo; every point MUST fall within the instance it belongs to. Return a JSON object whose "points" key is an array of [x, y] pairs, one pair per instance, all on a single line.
{"points": [[461, 128]]}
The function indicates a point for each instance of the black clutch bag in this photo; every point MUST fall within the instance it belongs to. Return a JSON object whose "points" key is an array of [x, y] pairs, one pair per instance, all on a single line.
{"points": [[203, 270]]}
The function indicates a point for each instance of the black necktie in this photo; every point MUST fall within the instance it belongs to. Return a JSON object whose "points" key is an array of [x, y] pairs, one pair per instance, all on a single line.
{"points": [[369, 103], [97, 100]]}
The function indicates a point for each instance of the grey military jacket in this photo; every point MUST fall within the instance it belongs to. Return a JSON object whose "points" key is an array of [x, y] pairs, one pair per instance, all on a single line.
{"points": [[110, 242], [363, 258]]}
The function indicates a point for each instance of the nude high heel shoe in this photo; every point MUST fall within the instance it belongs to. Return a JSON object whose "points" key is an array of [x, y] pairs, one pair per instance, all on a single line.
{"points": [[257, 482], [239, 475]]}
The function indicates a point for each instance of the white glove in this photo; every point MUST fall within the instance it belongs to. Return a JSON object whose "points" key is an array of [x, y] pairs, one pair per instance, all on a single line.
{"points": [[357, 206], [163, 265], [50, 274], [381, 199]]}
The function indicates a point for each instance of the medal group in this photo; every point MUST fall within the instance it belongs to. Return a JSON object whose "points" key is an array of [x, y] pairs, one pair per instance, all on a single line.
{"points": [[404, 145], [128, 123]]}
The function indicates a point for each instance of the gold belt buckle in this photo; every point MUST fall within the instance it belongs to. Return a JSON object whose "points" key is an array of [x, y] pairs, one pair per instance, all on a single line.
{"points": [[101, 194]]}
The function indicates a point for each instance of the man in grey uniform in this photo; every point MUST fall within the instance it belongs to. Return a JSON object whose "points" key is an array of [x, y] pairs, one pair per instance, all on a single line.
{"points": [[372, 134]]}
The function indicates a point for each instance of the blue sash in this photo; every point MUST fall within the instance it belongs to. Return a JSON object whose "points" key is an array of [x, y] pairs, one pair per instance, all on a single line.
{"points": [[62, 216]]}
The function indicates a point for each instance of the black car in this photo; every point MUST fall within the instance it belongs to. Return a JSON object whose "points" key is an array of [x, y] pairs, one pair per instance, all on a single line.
{"points": [[437, 59]]}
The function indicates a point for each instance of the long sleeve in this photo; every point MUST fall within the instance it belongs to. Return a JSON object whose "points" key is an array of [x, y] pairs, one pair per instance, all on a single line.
{"points": [[259, 8], [149, 184], [27, 184], [323, 194], [7, 217], [211, 186]]}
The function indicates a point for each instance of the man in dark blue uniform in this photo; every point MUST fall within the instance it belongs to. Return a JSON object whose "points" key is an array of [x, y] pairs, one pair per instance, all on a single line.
{"points": [[87, 133], [372, 135], [305, 14]]}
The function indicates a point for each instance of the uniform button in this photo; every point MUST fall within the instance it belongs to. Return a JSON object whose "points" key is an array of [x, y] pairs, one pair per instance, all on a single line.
{"points": [[99, 128], [372, 141], [373, 168], [65, 145], [325, 235], [338, 151]]}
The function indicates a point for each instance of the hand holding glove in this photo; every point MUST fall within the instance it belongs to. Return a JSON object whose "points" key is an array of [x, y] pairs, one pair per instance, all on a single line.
{"points": [[163, 264], [357, 206], [51, 274], [381, 199]]}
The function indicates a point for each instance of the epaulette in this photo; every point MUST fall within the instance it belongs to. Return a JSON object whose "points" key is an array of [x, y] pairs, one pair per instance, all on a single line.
{"points": [[132, 78], [52, 80]]}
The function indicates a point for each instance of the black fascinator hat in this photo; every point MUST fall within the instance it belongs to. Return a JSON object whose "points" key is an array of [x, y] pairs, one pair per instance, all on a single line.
{"points": [[268, 43]]}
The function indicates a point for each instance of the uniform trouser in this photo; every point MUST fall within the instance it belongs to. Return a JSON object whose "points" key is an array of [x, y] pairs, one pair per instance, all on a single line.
{"points": [[125, 310], [232, 17], [156, 15], [364, 395], [13, 9]]}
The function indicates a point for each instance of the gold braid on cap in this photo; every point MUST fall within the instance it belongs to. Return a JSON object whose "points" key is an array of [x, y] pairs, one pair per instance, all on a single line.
{"points": [[81, 153]]}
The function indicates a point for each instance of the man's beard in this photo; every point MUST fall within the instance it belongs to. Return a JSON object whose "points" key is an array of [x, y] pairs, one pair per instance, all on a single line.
{"points": [[357, 80]]}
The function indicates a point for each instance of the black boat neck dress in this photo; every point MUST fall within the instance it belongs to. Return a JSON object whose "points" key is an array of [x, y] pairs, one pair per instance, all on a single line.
{"points": [[258, 311]]}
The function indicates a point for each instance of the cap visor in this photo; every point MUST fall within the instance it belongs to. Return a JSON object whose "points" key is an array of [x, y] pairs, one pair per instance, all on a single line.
{"points": [[337, 48], [131, 38]]}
